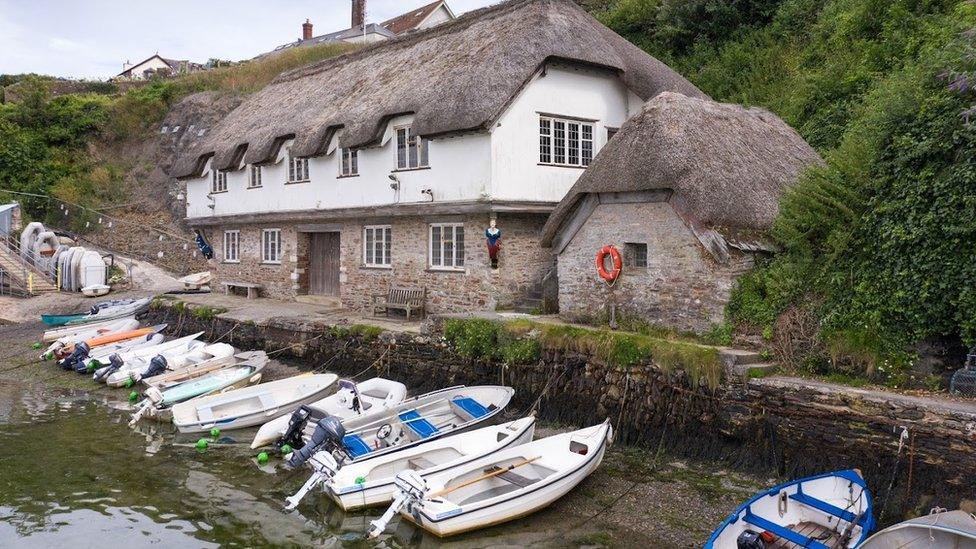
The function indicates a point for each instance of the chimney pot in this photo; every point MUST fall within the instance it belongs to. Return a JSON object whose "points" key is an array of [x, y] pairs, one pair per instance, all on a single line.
{"points": [[358, 13], [306, 30]]}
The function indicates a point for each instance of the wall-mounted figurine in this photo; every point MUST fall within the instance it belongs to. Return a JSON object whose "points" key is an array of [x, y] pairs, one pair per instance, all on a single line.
{"points": [[493, 236]]}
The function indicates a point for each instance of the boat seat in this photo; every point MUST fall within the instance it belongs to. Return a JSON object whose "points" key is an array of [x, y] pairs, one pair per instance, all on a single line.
{"points": [[418, 424], [267, 401], [820, 505], [420, 463], [782, 531], [205, 414], [355, 446], [512, 477], [471, 407], [379, 394]]}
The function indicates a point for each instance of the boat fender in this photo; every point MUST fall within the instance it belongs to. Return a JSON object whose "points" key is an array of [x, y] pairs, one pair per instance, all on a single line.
{"points": [[750, 539], [80, 353], [156, 366], [328, 436], [114, 363]]}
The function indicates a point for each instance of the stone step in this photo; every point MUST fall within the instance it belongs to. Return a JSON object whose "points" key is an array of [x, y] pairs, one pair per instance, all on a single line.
{"points": [[739, 357], [324, 300], [759, 369]]}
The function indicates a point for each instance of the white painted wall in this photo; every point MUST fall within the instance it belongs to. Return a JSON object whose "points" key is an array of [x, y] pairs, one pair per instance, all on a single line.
{"points": [[566, 91], [501, 165], [153, 63], [440, 15]]}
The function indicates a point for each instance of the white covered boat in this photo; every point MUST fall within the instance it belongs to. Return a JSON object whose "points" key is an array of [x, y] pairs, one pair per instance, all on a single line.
{"points": [[828, 511], [196, 280], [71, 338], [351, 400], [116, 311], [417, 420], [196, 352], [251, 405], [498, 488], [371, 482], [939, 530], [95, 290]]}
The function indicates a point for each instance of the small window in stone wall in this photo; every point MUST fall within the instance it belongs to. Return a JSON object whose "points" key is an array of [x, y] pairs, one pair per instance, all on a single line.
{"points": [[635, 255]]}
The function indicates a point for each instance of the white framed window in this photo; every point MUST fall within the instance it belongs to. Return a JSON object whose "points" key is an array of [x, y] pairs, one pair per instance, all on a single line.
{"points": [[297, 169], [447, 246], [232, 246], [377, 244], [564, 142], [254, 177], [349, 163], [271, 246], [219, 183], [412, 151]]}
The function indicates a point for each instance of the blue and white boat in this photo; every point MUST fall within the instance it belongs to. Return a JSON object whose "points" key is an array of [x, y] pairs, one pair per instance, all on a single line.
{"points": [[828, 511]]}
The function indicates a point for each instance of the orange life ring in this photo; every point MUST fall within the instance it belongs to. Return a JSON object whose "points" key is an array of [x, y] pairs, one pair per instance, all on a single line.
{"points": [[601, 268]]}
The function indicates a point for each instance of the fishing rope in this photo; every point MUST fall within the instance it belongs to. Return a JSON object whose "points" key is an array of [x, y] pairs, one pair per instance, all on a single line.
{"points": [[894, 473], [234, 327], [375, 362], [298, 344]]}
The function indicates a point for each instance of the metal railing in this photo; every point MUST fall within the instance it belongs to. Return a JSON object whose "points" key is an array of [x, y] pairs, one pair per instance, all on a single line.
{"points": [[26, 265]]}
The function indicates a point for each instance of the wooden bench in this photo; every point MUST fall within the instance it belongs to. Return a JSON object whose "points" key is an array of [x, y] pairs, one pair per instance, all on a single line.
{"points": [[252, 289], [403, 299]]}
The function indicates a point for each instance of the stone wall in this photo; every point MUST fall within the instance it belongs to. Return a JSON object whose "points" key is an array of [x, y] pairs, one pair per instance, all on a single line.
{"points": [[522, 263], [785, 427], [683, 287]]}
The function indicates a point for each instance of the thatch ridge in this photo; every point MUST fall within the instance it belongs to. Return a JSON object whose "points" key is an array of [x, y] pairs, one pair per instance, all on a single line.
{"points": [[456, 76], [726, 165]]}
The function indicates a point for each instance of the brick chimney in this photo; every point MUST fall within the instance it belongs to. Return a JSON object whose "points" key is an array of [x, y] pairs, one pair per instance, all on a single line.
{"points": [[358, 13], [306, 30]]}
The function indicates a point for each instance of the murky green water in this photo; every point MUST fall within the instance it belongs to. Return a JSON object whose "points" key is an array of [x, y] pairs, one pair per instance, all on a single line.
{"points": [[73, 474]]}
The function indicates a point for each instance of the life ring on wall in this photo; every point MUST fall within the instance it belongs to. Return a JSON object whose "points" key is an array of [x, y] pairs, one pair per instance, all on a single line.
{"points": [[601, 268]]}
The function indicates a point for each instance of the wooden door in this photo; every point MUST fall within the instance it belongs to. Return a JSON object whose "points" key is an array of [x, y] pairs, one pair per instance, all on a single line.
{"points": [[323, 264]]}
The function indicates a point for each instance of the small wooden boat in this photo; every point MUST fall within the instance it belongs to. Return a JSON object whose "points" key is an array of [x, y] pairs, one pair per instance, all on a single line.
{"points": [[196, 280], [117, 311], [96, 290], [940, 529], [371, 482], [196, 352], [158, 402], [827, 511], [500, 487], [251, 405], [103, 370], [351, 400], [417, 420]]}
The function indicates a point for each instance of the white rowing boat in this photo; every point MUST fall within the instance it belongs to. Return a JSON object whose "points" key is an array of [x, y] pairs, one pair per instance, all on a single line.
{"points": [[498, 488], [939, 529], [72, 338], [83, 332], [102, 371], [196, 352], [193, 371], [351, 400], [371, 482], [251, 405], [116, 311]]}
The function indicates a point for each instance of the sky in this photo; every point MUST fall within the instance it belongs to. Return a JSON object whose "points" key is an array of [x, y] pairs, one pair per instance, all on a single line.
{"points": [[92, 38]]}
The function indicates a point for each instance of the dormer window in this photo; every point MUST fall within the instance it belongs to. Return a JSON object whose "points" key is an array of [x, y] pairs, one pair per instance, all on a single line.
{"points": [[254, 177], [219, 182], [349, 165], [297, 169], [412, 150]]}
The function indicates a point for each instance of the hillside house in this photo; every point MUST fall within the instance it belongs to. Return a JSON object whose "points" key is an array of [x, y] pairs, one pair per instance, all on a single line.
{"points": [[157, 65], [361, 32], [384, 167], [685, 191]]}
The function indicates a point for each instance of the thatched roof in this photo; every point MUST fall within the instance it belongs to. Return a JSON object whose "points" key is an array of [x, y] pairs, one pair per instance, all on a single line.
{"points": [[458, 76], [724, 165]]}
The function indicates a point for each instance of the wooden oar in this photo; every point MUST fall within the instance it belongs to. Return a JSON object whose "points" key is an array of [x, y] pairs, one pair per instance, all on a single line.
{"points": [[485, 476]]}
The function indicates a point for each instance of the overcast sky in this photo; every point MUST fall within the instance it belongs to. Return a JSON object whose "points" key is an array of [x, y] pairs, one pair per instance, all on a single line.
{"points": [[91, 38]]}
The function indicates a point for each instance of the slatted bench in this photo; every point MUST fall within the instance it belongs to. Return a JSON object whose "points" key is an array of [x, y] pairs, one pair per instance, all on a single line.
{"points": [[251, 288], [408, 300]]}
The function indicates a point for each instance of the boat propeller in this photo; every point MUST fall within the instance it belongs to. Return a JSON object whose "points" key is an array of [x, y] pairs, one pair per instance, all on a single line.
{"points": [[114, 363], [411, 487], [324, 467]]}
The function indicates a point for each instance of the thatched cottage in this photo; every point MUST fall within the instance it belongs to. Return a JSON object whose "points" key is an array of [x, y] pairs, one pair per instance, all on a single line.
{"points": [[685, 192], [385, 167]]}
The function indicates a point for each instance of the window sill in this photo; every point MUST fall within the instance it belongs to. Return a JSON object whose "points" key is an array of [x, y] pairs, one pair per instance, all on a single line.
{"points": [[218, 192], [411, 169], [347, 176], [272, 263], [562, 166], [445, 270], [298, 182], [377, 267], [255, 187], [229, 262]]}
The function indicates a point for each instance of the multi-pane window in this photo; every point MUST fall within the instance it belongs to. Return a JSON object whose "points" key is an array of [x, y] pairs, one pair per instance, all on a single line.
{"points": [[412, 151], [635, 254], [350, 162], [565, 142], [447, 246], [297, 169], [232, 246], [254, 177], [219, 183], [271, 246], [377, 242]]}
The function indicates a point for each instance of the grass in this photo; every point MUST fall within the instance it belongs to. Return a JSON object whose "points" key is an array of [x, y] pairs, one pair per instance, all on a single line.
{"points": [[206, 312], [365, 332]]}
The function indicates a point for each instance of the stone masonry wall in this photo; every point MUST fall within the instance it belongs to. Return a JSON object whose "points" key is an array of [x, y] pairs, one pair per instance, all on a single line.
{"points": [[523, 263], [683, 287]]}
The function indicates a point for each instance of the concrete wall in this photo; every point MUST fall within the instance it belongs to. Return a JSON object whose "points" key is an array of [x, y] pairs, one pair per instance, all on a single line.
{"points": [[682, 287]]}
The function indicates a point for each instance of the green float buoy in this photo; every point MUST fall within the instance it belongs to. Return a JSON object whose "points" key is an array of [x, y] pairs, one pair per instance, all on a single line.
{"points": [[214, 433], [202, 444], [48, 356], [133, 396], [360, 480], [36, 346], [129, 383], [286, 449], [263, 458]]}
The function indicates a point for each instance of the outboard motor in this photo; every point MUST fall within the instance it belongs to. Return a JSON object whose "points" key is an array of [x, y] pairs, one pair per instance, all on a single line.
{"points": [[296, 424], [750, 539], [156, 366], [327, 436], [79, 354], [114, 363], [94, 310]]}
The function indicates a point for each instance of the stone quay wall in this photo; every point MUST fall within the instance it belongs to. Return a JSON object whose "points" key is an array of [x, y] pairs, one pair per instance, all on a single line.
{"points": [[766, 425]]}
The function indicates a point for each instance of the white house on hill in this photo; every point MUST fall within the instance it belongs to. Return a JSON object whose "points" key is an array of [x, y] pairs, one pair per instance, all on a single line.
{"points": [[157, 65], [384, 167]]}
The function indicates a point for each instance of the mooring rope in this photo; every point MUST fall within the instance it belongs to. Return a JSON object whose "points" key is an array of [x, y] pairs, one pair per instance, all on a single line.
{"points": [[894, 473]]}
